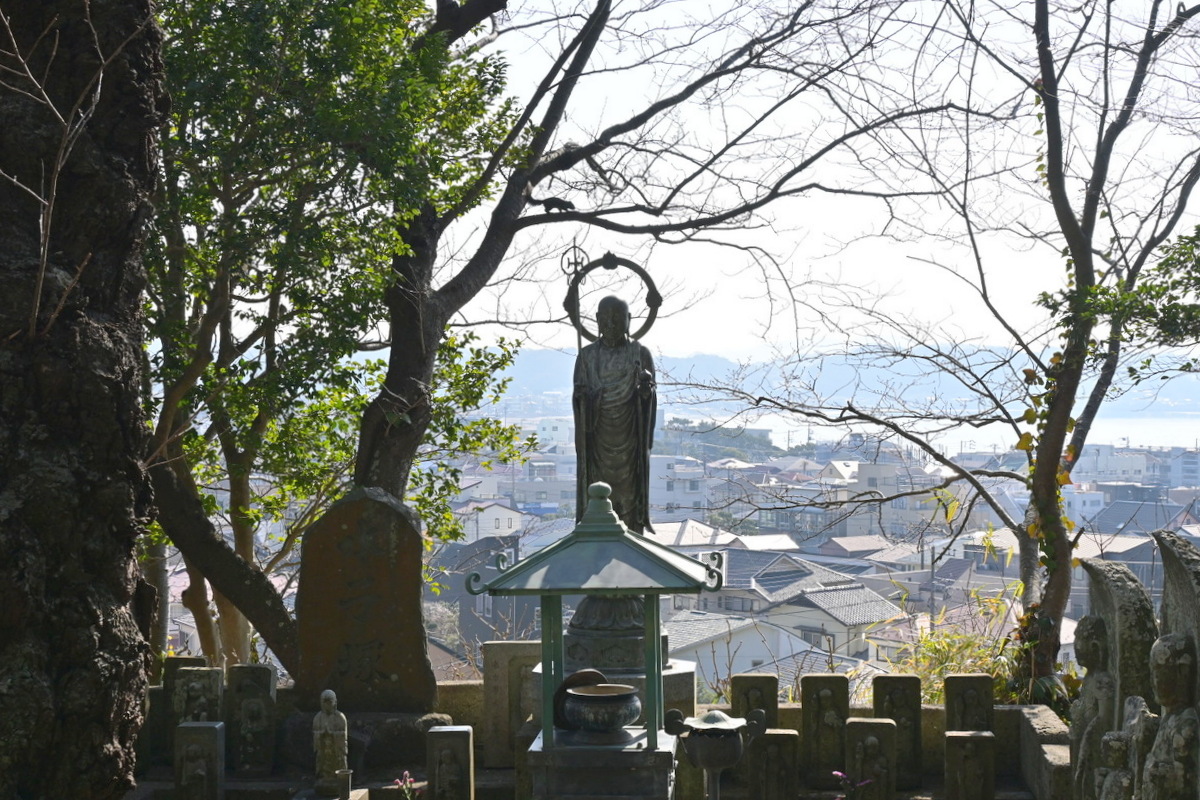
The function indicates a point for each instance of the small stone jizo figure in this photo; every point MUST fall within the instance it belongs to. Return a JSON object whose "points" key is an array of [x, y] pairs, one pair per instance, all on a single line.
{"points": [[1170, 771], [330, 734], [1092, 714], [195, 773], [1112, 780]]}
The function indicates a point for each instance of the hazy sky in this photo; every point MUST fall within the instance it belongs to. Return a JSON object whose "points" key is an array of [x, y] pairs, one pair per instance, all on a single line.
{"points": [[827, 260]]}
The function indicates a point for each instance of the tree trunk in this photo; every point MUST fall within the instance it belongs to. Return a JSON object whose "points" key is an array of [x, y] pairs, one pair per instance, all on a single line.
{"points": [[73, 494], [154, 572], [183, 518]]}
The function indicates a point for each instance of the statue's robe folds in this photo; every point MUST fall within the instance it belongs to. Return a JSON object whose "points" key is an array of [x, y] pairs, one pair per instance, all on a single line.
{"points": [[615, 407]]}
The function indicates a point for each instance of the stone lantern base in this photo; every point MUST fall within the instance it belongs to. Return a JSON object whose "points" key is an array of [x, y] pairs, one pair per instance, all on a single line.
{"points": [[619, 772]]}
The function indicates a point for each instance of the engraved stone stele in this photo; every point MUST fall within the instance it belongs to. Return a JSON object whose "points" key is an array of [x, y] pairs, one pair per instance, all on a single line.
{"points": [[1180, 612], [358, 608], [331, 737], [969, 702], [871, 757], [1116, 596], [898, 698], [970, 765], [200, 761], [450, 769], [251, 718], [824, 706]]}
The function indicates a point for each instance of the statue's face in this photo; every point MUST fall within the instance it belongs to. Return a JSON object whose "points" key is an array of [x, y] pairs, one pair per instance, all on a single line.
{"points": [[328, 702], [613, 323]]}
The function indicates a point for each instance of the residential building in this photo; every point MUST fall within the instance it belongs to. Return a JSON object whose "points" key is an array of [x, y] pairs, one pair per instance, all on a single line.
{"points": [[484, 518]]}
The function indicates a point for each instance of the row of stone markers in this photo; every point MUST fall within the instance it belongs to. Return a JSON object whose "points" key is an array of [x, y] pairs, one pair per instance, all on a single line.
{"points": [[202, 719], [873, 756], [201, 724], [1135, 730]]}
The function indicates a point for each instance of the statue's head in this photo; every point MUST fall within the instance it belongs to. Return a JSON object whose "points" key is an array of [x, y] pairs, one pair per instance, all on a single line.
{"points": [[612, 320], [328, 701], [1173, 669], [1091, 643]]}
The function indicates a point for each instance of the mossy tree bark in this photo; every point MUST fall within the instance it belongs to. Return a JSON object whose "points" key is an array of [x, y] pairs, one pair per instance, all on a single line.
{"points": [[80, 100]]}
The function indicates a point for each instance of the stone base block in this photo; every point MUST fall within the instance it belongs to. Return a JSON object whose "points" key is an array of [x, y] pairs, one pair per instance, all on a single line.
{"points": [[623, 772]]}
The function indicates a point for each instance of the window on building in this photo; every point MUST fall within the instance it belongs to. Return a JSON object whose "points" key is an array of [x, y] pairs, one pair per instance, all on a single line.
{"points": [[483, 605], [693, 486], [670, 486], [813, 636], [872, 482], [510, 522], [695, 504], [755, 662], [497, 522]]}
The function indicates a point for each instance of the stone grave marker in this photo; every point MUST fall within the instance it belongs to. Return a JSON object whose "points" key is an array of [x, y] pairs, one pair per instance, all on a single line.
{"points": [[200, 761], [165, 717], [450, 751], [358, 607], [754, 691], [970, 765], [898, 698], [773, 764], [969, 702], [251, 718], [871, 756], [824, 706], [197, 696]]}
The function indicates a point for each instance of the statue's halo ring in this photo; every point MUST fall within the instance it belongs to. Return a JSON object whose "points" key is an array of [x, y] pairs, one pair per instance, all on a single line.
{"points": [[610, 261]]}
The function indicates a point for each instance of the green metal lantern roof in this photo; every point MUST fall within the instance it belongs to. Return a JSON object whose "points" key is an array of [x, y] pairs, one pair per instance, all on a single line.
{"points": [[602, 556]]}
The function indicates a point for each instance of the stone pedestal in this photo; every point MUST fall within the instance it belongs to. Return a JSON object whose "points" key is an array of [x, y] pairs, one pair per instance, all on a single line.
{"points": [[619, 772]]}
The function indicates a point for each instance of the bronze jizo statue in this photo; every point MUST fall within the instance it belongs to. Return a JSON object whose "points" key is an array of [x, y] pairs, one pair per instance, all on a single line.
{"points": [[615, 406]]}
